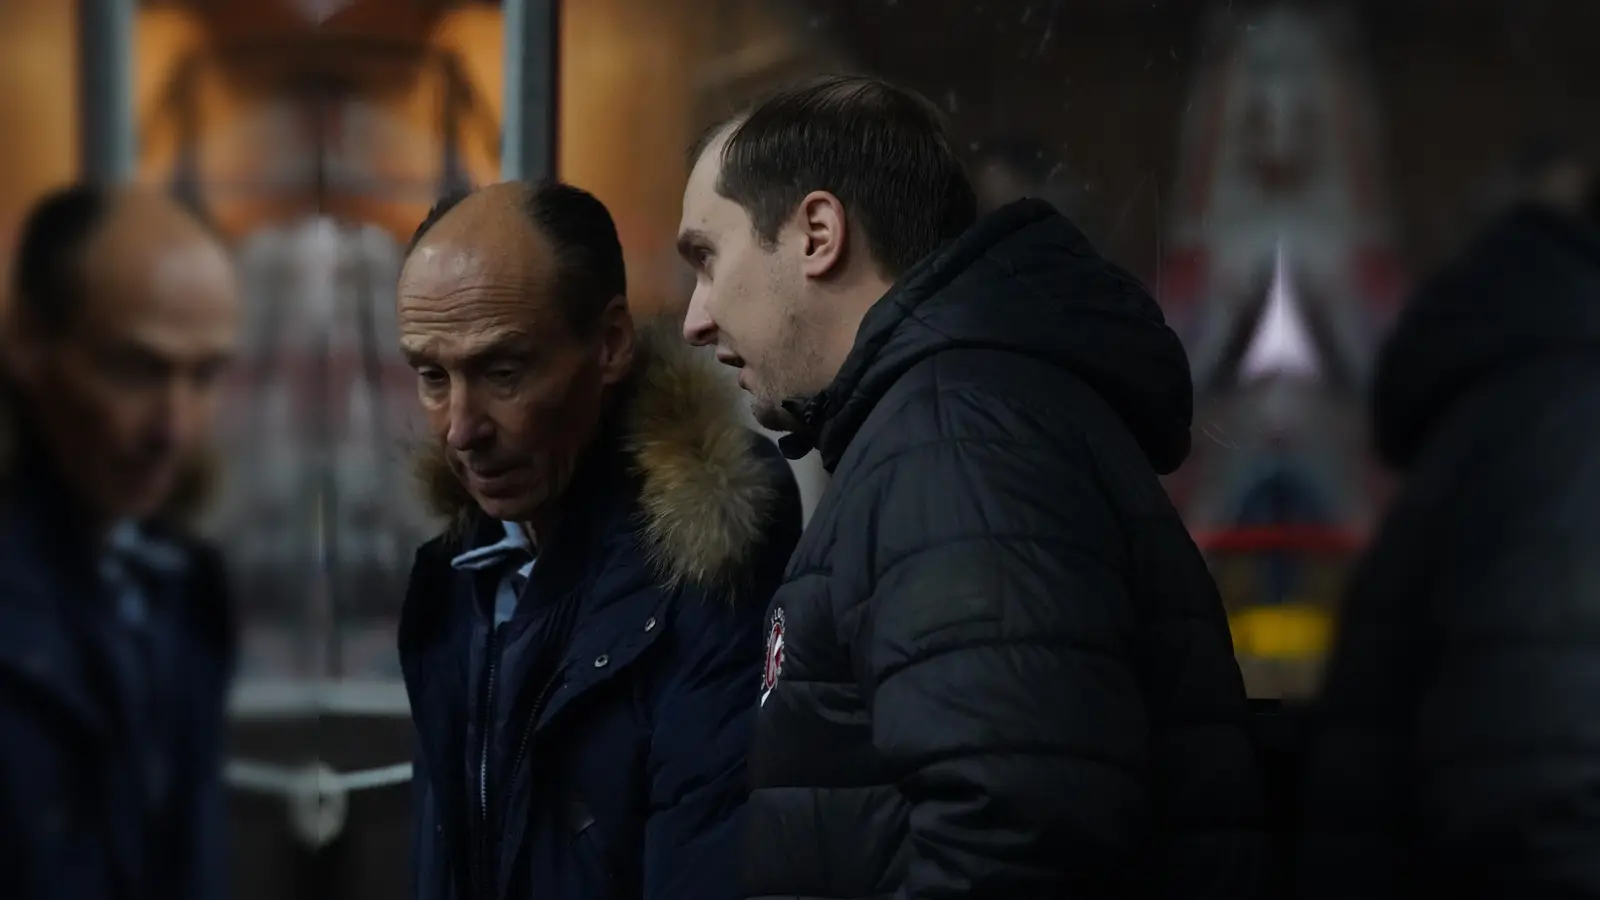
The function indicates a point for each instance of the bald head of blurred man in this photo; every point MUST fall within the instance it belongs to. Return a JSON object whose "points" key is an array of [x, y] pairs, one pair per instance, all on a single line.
{"points": [[125, 312]]}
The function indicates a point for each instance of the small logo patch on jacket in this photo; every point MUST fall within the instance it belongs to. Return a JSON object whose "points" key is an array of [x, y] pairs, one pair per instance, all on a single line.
{"points": [[774, 666]]}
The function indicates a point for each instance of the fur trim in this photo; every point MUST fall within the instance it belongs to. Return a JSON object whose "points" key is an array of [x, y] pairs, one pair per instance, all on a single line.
{"points": [[705, 497]]}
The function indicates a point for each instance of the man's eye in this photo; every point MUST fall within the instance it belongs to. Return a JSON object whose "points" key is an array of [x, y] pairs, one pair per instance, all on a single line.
{"points": [[208, 373], [133, 367], [504, 375], [431, 377]]}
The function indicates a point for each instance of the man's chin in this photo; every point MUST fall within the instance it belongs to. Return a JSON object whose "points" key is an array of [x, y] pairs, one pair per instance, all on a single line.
{"points": [[507, 509], [136, 494], [520, 505], [773, 417]]}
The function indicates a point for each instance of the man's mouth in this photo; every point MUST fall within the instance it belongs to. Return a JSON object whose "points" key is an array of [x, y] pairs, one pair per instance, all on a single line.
{"points": [[730, 359], [490, 473]]}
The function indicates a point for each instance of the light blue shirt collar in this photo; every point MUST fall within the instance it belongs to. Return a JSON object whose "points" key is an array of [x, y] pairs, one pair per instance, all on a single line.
{"points": [[513, 545], [511, 548], [128, 546]]}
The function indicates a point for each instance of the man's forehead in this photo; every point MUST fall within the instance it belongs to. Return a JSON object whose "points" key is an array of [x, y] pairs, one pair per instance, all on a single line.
{"points": [[183, 277], [710, 217], [491, 338], [474, 285], [464, 261], [701, 190]]}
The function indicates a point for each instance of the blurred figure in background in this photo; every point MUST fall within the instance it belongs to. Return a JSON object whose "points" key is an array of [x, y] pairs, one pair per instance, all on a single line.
{"points": [[116, 640], [1457, 748], [582, 647]]}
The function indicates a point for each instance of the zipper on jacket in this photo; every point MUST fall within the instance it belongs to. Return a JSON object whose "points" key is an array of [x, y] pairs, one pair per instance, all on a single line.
{"points": [[486, 742], [489, 889], [528, 727]]}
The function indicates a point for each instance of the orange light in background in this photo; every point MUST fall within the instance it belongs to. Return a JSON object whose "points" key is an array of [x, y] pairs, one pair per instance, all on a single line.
{"points": [[38, 111]]}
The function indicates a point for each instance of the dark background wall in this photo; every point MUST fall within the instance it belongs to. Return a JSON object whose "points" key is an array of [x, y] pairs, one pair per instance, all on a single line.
{"points": [[1459, 86]]}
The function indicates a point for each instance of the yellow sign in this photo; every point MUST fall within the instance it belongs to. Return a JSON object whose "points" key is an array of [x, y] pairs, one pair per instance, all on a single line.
{"points": [[1285, 632]]}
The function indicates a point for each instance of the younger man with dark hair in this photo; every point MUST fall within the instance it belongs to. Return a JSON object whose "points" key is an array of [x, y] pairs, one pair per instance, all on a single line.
{"points": [[997, 667]]}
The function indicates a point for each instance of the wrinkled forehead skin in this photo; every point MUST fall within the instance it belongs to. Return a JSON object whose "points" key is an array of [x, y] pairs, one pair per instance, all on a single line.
{"points": [[480, 276]]}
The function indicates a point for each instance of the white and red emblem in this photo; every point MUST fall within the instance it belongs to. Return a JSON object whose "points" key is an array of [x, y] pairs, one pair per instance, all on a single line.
{"points": [[774, 666]]}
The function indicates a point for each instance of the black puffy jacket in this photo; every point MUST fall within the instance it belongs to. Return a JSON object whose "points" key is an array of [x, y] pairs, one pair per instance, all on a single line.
{"points": [[1456, 751], [998, 668]]}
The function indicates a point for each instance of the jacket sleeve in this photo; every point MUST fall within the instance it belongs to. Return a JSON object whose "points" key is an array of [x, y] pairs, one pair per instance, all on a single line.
{"points": [[1507, 734], [703, 715], [994, 659]]}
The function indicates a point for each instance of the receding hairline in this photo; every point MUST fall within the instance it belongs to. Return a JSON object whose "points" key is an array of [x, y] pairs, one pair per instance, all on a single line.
{"points": [[146, 216], [137, 229], [823, 90], [509, 198], [719, 131], [459, 227]]}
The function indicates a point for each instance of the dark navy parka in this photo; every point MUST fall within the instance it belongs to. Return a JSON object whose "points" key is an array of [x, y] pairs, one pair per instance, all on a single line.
{"points": [[617, 721], [110, 752]]}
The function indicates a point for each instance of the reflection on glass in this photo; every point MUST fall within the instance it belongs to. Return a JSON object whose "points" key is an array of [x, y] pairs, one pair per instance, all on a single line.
{"points": [[318, 509], [1280, 239]]}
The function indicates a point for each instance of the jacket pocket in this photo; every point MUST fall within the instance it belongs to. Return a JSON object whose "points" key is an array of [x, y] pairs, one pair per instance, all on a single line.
{"points": [[594, 866]]}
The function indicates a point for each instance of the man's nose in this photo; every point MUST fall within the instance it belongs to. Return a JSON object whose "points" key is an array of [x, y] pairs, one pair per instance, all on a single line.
{"points": [[181, 418], [468, 426], [698, 328]]}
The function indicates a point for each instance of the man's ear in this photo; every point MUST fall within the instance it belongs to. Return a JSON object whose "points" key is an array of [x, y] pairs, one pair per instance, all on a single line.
{"points": [[617, 341], [824, 230]]}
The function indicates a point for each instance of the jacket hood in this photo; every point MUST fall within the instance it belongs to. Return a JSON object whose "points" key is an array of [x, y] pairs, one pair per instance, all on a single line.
{"points": [[1526, 290], [705, 496], [1024, 280]]}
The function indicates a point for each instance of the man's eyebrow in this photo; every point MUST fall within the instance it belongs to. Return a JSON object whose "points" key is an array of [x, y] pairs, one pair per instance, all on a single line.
{"points": [[417, 353], [506, 344]]}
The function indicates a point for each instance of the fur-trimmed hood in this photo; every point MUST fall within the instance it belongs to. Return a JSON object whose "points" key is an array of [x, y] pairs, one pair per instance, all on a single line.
{"points": [[705, 495]]}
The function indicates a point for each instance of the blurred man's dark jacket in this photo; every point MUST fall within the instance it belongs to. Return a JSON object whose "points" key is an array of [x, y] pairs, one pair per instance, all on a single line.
{"points": [[1457, 749], [110, 729], [617, 766]]}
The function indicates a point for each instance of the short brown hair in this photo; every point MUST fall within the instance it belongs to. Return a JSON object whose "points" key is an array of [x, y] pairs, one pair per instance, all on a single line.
{"points": [[883, 150]]}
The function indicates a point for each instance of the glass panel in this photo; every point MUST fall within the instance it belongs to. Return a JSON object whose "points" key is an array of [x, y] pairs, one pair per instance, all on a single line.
{"points": [[319, 179]]}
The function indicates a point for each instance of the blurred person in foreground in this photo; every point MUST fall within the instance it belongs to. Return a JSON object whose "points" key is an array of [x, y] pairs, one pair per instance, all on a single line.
{"points": [[1456, 751], [116, 640], [582, 647], [998, 667]]}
